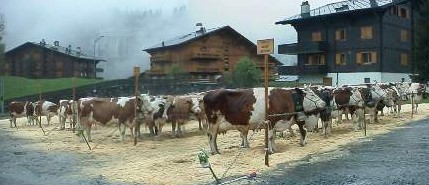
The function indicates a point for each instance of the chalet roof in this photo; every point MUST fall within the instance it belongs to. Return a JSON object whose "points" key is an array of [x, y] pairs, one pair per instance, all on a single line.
{"points": [[57, 49], [187, 38], [342, 7], [183, 39]]}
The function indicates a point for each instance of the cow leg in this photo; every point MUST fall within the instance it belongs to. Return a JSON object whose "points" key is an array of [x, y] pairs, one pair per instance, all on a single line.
{"points": [[200, 126], [327, 126], [179, 128], [212, 133], [48, 118], [173, 128], [416, 106], [12, 120], [88, 132], [303, 133], [271, 141], [122, 131], [244, 140]]}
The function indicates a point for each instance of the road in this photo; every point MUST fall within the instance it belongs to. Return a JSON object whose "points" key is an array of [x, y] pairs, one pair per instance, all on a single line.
{"points": [[399, 157]]}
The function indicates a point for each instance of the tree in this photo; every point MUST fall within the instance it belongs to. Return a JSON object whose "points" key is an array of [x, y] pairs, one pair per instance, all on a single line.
{"points": [[174, 71], [421, 55], [246, 74]]}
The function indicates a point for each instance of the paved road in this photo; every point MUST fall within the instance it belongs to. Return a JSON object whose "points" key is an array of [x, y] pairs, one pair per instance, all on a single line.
{"points": [[400, 157]]}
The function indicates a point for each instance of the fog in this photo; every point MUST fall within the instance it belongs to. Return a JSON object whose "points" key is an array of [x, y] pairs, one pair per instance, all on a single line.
{"points": [[129, 26]]}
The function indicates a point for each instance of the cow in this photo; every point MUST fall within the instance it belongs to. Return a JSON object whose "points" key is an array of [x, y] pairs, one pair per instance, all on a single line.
{"points": [[46, 108], [180, 110], [18, 109], [374, 98], [326, 94], [121, 111], [243, 109], [394, 96], [347, 100], [67, 112], [416, 92], [154, 119]]}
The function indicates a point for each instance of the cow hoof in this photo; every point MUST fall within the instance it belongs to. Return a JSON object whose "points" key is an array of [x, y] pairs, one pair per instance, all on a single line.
{"points": [[215, 153]]}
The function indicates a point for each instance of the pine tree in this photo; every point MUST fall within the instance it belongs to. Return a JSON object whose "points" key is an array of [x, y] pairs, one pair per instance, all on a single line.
{"points": [[422, 42]]}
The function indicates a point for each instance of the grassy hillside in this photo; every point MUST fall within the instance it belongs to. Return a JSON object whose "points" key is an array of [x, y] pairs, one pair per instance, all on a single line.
{"points": [[18, 86]]}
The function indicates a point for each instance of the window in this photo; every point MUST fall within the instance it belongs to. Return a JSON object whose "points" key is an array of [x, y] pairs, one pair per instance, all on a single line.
{"points": [[366, 32], [317, 59], [404, 35], [367, 80], [366, 57], [340, 34], [403, 12], [340, 59], [404, 59], [316, 36], [393, 10]]}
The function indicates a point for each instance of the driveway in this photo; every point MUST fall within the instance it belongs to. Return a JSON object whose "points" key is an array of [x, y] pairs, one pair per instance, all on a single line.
{"points": [[399, 157]]}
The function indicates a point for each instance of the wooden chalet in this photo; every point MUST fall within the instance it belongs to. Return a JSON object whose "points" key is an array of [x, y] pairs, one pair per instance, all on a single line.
{"points": [[205, 55], [352, 41], [41, 60]]}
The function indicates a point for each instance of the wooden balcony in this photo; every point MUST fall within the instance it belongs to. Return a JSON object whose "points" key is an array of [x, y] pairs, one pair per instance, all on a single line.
{"points": [[302, 48], [206, 54], [156, 72], [205, 70], [161, 58]]}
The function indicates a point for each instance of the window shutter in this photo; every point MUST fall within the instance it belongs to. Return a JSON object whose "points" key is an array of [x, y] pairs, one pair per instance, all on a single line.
{"points": [[337, 35], [338, 59], [374, 57], [359, 58]]}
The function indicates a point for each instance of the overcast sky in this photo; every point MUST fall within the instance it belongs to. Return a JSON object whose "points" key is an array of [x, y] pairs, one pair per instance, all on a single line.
{"points": [[80, 22]]}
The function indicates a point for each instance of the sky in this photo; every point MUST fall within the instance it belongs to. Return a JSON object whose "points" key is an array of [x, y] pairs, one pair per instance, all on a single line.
{"points": [[129, 26]]}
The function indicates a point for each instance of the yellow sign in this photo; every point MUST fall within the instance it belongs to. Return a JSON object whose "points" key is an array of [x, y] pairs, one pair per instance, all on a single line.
{"points": [[136, 71], [265, 46]]}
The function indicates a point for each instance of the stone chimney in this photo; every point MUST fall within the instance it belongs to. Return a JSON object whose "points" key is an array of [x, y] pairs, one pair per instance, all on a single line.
{"points": [[200, 29], [373, 3], [305, 9]]}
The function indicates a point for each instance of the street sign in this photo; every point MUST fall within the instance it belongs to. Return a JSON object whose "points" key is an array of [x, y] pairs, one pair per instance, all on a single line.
{"points": [[265, 46]]}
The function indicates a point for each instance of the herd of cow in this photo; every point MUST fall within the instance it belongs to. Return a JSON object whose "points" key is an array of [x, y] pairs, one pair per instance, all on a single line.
{"points": [[229, 109]]}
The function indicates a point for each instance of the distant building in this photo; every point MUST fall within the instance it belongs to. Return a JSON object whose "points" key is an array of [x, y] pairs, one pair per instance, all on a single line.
{"points": [[353, 41], [205, 54], [41, 60]]}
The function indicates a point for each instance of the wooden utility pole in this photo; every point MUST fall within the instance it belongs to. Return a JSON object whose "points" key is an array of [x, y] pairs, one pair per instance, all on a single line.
{"points": [[136, 94], [266, 47]]}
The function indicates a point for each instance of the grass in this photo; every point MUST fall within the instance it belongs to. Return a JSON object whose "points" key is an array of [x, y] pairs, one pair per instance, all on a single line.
{"points": [[18, 86]]}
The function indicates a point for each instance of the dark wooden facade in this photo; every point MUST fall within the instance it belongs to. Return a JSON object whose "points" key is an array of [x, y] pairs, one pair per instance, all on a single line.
{"points": [[375, 38], [205, 54], [39, 60]]}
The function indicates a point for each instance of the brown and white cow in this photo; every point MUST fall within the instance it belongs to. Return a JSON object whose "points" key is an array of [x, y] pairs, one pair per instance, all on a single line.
{"points": [[46, 108], [19, 109], [179, 112], [105, 111], [415, 93], [347, 100], [243, 109], [66, 112]]}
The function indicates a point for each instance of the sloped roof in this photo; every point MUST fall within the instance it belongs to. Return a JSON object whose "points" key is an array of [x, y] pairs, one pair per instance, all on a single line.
{"points": [[187, 38], [183, 39], [57, 49], [344, 7]]}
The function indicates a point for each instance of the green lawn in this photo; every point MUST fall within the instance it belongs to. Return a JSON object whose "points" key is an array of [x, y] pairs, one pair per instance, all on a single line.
{"points": [[18, 86]]}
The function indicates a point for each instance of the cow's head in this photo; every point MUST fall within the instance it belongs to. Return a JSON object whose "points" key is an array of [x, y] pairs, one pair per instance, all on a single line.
{"points": [[311, 100], [143, 104], [381, 94], [195, 103], [355, 97]]}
